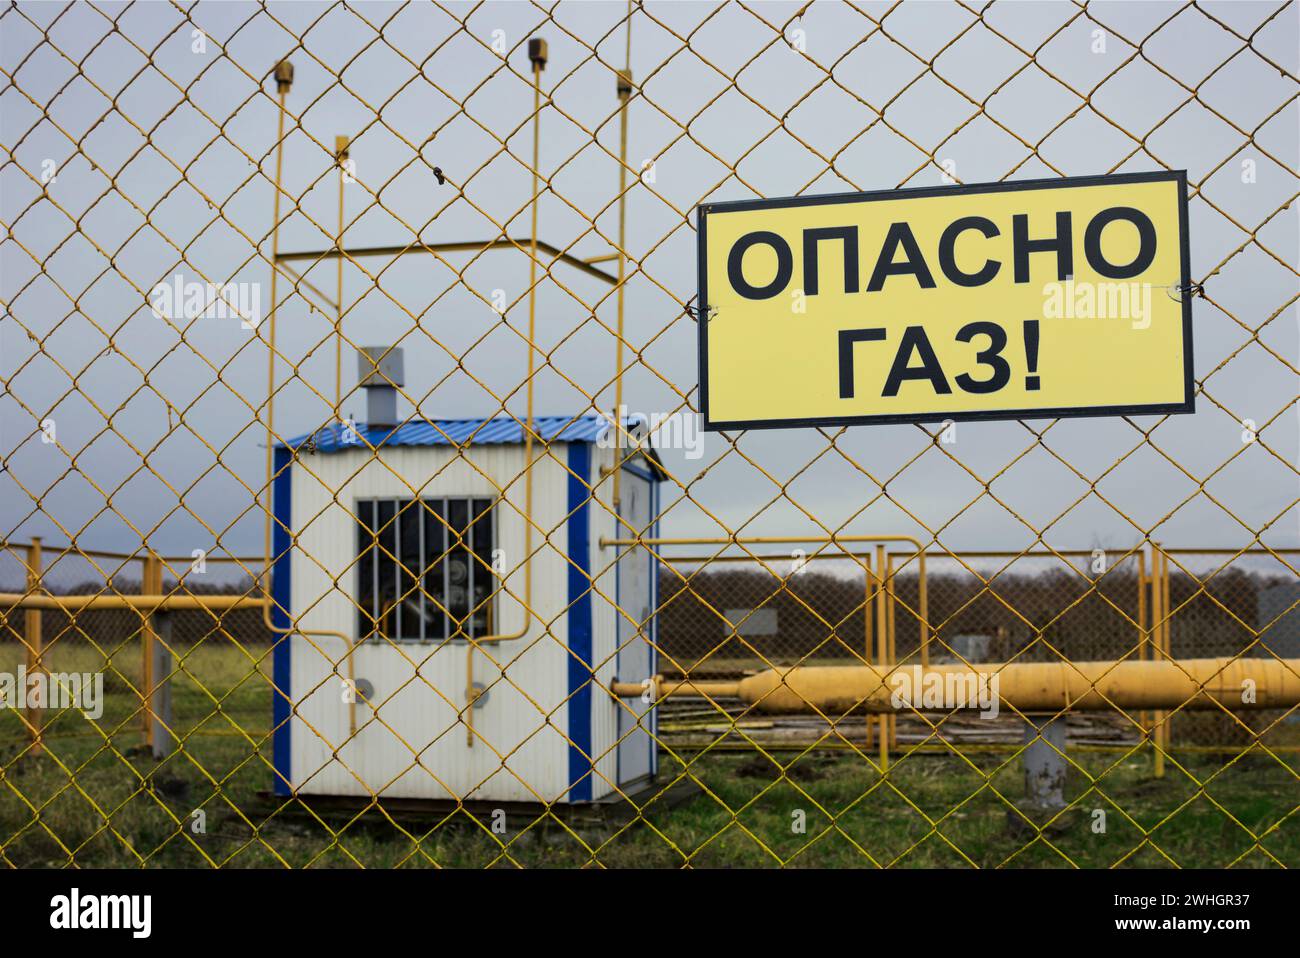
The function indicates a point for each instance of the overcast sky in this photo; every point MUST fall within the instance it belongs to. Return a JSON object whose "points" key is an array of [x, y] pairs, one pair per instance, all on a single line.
{"points": [[162, 156]]}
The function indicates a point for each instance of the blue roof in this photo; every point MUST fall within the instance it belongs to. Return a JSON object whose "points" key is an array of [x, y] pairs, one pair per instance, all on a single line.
{"points": [[499, 430]]}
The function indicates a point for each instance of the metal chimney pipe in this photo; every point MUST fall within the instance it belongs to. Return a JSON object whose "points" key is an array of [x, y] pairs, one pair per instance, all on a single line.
{"points": [[380, 371]]}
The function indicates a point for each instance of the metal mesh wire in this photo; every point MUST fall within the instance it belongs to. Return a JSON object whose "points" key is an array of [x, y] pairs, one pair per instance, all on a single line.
{"points": [[151, 146]]}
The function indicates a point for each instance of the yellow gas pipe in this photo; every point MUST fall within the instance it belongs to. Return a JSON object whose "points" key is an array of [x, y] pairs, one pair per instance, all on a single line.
{"points": [[1022, 686], [623, 87], [283, 83], [169, 602]]}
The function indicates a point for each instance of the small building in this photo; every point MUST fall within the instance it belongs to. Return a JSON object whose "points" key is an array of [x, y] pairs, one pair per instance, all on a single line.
{"points": [[410, 666]]}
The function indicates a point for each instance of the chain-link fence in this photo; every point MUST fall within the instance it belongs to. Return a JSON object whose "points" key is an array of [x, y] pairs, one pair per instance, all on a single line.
{"points": [[350, 387]]}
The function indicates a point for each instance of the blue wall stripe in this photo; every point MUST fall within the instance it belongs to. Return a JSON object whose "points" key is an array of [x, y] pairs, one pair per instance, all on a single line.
{"points": [[282, 707], [579, 619]]}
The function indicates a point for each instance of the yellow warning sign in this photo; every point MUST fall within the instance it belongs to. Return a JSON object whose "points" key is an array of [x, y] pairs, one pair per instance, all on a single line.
{"points": [[1017, 300]]}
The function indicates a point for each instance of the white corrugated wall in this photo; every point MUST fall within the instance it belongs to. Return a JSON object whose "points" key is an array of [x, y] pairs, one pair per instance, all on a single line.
{"points": [[418, 747]]}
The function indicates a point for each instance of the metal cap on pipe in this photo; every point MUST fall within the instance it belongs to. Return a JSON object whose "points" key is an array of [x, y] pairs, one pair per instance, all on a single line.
{"points": [[283, 76], [380, 370], [380, 366], [537, 52]]}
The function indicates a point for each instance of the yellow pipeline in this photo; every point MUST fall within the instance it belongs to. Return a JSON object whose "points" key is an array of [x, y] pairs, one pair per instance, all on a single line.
{"points": [[145, 603], [1022, 686]]}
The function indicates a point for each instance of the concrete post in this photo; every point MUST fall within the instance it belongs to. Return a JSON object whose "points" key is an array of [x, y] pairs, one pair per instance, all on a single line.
{"points": [[35, 641], [162, 742], [1044, 762], [150, 584]]}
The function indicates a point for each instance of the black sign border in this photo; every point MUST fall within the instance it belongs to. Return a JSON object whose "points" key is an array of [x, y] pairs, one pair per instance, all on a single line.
{"points": [[1188, 405]]}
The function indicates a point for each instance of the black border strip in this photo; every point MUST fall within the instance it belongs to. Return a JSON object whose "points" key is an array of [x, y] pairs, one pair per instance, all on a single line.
{"points": [[1089, 900], [1188, 405]]}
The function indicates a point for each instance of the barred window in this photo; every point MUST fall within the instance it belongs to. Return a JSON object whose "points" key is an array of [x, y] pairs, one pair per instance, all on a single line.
{"points": [[424, 569]]}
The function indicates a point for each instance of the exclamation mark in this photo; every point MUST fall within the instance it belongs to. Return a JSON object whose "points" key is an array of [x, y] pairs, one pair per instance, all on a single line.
{"points": [[1031, 354]]}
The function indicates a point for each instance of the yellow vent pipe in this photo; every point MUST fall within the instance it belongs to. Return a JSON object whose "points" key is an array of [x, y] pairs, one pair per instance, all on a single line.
{"points": [[1230, 683]]}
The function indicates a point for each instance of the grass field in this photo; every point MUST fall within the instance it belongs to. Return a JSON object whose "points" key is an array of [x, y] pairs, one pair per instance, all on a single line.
{"points": [[94, 800]]}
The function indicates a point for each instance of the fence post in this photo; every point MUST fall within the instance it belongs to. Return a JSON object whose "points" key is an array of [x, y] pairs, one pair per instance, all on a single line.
{"points": [[890, 604], [150, 584], [882, 649], [1144, 715], [1158, 615], [1044, 761], [35, 641], [1167, 636], [162, 741], [867, 613]]}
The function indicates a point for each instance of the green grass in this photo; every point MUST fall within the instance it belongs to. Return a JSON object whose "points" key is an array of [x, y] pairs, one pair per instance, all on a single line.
{"points": [[94, 800]]}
